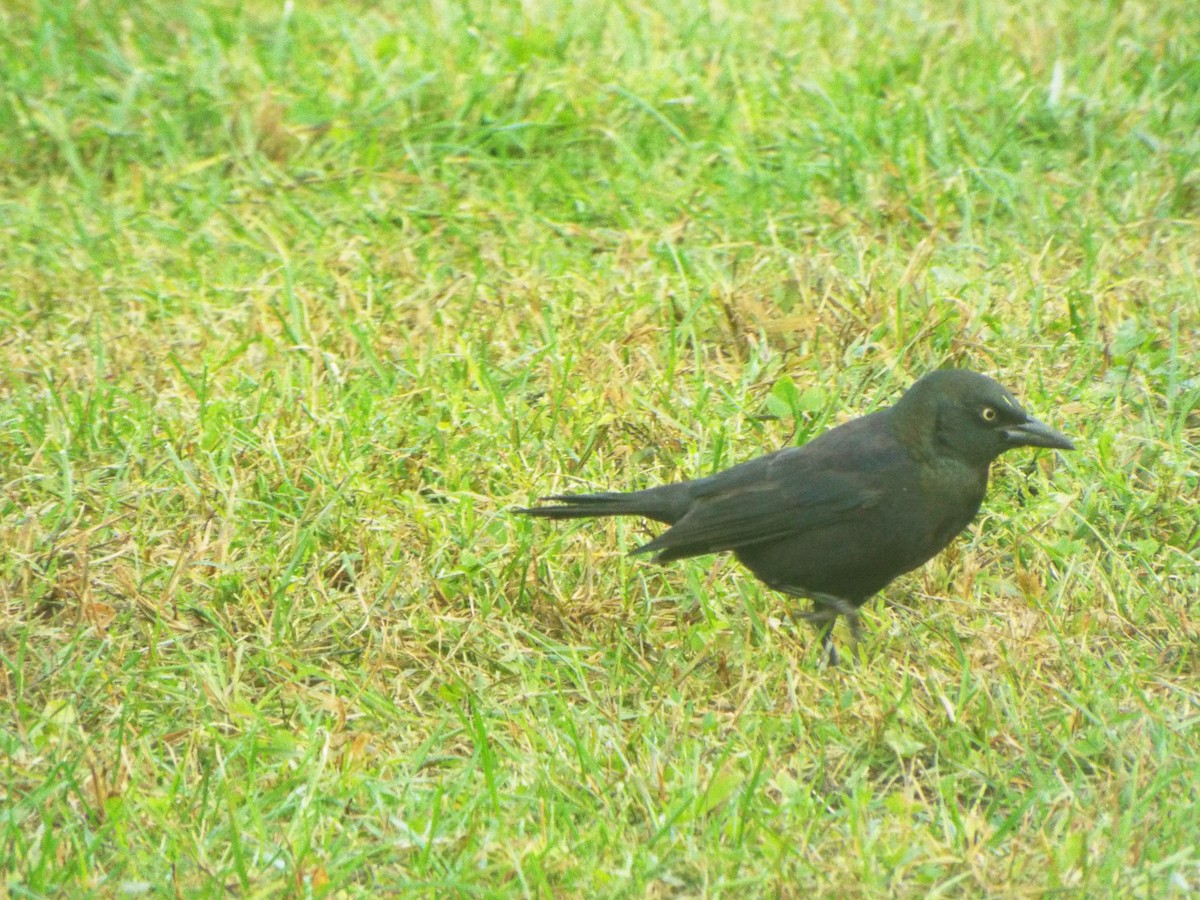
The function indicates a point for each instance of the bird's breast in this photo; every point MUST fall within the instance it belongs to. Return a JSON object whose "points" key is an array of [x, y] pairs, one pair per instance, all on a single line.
{"points": [[942, 503]]}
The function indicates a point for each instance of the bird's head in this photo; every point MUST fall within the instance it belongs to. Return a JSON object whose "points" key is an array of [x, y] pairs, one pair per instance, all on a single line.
{"points": [[969, 416]]}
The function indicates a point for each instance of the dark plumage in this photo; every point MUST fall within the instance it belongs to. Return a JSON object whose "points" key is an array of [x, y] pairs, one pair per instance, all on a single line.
{"points": [[838, 518]]}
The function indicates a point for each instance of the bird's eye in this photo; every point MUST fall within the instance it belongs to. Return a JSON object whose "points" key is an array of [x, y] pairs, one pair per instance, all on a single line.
{"points": [[989, 414]]}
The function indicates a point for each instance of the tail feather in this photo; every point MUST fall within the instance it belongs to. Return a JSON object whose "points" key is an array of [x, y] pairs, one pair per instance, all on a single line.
{"points": [[661, 504], [582, 506]]}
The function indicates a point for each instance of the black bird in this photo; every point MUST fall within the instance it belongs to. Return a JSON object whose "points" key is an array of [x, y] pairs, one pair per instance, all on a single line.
{"points": [[838, 518]]}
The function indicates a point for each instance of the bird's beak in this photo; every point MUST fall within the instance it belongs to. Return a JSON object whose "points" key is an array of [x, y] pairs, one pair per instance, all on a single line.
{"points": [[1033, 433]]}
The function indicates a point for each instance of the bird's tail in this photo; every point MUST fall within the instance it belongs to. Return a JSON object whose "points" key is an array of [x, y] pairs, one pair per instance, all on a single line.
{"points": [[663, 504]]}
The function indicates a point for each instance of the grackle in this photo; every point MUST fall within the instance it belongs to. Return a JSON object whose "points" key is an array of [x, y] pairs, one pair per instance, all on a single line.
{"points": [[836, 519]]}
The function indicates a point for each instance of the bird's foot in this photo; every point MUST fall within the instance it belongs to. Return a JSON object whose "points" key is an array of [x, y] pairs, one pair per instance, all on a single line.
{"points": [[823, 616]]}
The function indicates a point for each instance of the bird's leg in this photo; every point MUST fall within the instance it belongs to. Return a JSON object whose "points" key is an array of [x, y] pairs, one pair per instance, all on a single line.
{"points": [[823, 615], [826, 633], [855, 630]]}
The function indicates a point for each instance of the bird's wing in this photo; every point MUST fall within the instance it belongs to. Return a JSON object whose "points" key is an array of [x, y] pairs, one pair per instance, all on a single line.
{"points": [[792, 494]]}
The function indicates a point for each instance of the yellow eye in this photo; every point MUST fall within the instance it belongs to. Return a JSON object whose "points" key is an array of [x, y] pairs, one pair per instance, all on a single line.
{"points": [[989, 414]]}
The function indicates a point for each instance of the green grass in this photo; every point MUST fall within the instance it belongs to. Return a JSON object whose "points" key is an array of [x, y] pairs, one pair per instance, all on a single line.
{"points": [[297, 302]]}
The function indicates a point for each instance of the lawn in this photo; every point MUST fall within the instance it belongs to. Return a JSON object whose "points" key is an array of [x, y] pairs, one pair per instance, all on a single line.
{"points": [[298, 301]]}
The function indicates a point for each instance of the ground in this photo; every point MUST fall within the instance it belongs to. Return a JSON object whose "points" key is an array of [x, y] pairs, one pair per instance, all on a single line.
{"points": [[298, 301]]}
